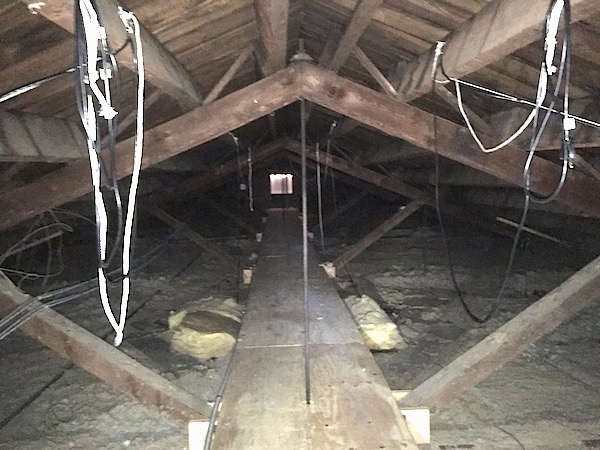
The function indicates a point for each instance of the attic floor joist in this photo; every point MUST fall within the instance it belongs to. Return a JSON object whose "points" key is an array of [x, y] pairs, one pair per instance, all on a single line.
{"points": [[325, 88]]}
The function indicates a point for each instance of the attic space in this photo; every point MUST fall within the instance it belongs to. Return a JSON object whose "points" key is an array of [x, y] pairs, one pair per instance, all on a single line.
{"points": [[299, 224]]}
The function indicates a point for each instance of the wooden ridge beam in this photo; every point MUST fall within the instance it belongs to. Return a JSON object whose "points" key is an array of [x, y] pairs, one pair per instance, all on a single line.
{"points": [[453, 141], [161, 68], [387, 225], [506, 343], [103, 360], [500, 28], [160, 143], [272, 19], [361, 17]]}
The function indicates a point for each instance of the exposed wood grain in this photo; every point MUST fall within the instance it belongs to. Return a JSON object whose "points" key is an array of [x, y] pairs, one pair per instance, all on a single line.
{"points": [[103, 360], [214, 93], [28, 137], [160, 143], [272, 18], [375, 72], [161, 68], [361, 17], [351, 403], [453, 141], [500, 28], [506, 343], [376, 234]]}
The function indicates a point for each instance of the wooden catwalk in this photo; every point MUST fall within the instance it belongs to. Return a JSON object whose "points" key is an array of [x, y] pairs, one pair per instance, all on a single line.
{"points": [[264, 405]]}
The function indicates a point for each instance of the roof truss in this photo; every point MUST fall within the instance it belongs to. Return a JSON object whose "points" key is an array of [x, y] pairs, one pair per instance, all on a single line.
{"points": [[328, 90]]}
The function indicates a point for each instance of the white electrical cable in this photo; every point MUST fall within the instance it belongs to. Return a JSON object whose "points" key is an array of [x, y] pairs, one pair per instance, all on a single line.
{"points": [[320, 196], [95, 33], [133, 27], [547, 69]]}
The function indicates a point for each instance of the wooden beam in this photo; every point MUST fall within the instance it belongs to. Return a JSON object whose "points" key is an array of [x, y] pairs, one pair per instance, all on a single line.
{"points": [[212, 177], [103, 360], [228, 214], [160, 143], [398, 187], [376, 234], [28, 137], [342, 210], [196, 238], [453, 141], [226, 78], [272, 18], [478, 123], [583, 136], [361, 17], [161, 68], [375, 72], [506, 343], [500, 28]]}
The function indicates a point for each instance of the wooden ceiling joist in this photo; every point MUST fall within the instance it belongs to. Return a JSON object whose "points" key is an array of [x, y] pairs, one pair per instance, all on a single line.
{"points": [[500, 28], [361, 17], [387, 225], [161, 68], [272, 18]]}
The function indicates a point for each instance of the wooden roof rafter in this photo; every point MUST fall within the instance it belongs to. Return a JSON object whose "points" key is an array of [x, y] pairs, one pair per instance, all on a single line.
{"points": [[162, 69], [272, 19], [330, 91]]}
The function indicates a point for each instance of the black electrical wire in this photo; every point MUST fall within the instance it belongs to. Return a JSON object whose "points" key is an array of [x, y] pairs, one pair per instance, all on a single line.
{"points": [[565, 66]]}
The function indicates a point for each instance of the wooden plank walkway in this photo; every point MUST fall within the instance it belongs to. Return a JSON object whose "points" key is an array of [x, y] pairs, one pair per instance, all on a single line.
{"points": [[264, 403]]}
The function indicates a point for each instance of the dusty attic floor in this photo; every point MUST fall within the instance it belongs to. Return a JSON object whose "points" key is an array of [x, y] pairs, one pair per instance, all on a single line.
{"points": [[549, 398]]}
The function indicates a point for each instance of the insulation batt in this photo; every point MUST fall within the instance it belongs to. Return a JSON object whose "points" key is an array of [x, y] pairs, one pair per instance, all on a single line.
{"points": [[378, 331], [207, 328]]}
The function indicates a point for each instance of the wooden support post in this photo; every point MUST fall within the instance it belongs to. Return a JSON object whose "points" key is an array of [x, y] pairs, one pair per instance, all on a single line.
{"points": [[103, 360], [239, 61], [361, 17], [192, 235], [375, 72], [506, 343], [376, 234]]}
